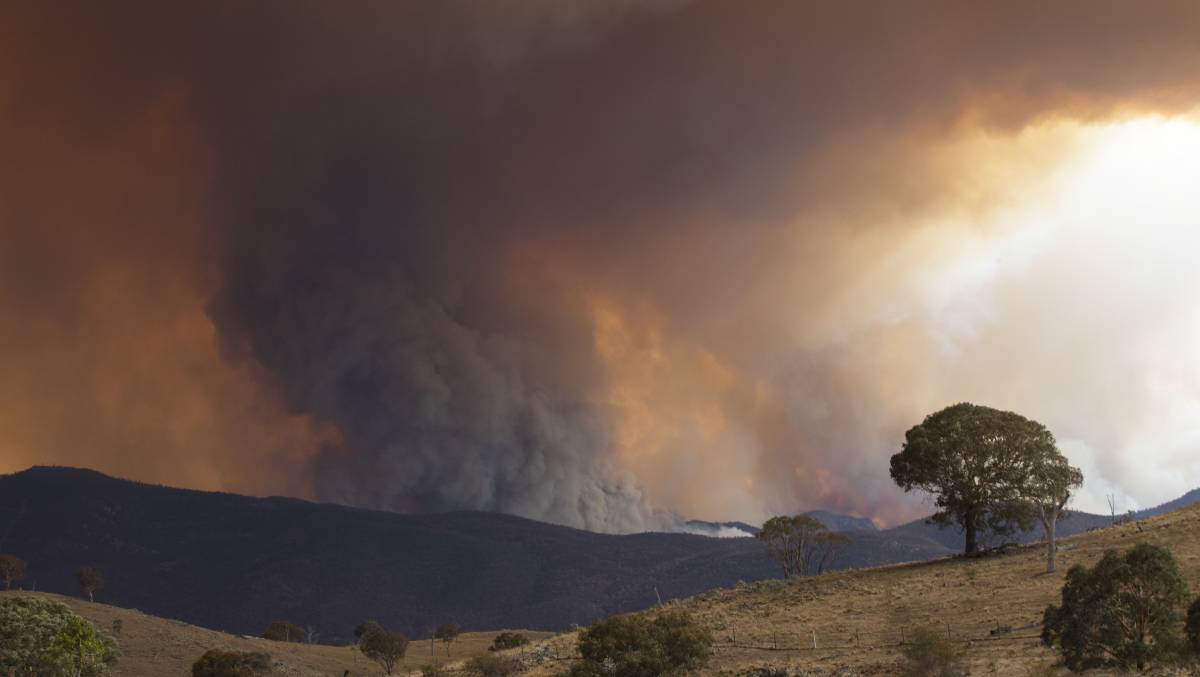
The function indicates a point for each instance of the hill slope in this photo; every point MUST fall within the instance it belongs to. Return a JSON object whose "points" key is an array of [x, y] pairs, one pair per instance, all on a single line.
{"points": [[235, 563], [991, 606]]}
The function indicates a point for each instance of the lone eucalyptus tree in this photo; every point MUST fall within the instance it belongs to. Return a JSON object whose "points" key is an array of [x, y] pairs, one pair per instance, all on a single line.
{"points": [[989, 469]]}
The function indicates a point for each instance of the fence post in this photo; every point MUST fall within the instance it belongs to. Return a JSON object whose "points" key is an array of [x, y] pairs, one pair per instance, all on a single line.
{"points": [[814, 633]]}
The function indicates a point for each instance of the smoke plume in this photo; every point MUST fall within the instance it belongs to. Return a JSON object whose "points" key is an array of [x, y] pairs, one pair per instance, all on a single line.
{"points": [[595, 263]]}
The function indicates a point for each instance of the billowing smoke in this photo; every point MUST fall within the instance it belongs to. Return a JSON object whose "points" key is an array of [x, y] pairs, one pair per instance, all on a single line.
{"points": [[592, 263]]}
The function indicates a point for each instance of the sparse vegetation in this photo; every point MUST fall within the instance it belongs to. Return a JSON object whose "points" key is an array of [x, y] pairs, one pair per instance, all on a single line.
{"points": [[90, 579], [385, 647], [801, 544], [11, 569], [283, 631], [636, 645], [219, 663], [508, 640], [978, 462], [1123, 611], [42, 637], [493, 666], [929, 653]]}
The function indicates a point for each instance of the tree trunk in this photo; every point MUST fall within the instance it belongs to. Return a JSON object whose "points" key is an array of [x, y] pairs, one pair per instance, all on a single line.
{"points": [[972, 542], [1051, 522]]}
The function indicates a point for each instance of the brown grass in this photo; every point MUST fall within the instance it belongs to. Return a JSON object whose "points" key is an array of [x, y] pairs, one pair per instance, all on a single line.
{"points": [[991, 607]]}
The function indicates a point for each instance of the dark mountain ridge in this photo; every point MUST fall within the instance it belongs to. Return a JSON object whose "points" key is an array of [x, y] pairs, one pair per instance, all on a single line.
{"points": [[236, 563]]}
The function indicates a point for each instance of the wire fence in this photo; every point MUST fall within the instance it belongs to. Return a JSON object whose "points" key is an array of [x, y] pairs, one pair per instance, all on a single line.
{"points": [[811, 640]]}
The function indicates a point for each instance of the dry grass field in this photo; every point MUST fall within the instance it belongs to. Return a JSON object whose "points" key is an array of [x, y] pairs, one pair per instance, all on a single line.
{"points": [[160, 647], [990, 606]]}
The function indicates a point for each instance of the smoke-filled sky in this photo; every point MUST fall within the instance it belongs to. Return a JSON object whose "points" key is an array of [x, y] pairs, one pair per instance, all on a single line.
{"points": [[598, 263]]}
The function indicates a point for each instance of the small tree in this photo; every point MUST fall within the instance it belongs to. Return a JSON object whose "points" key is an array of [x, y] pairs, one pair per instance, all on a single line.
{"points": [[1121, 611], [41, 637], [91, 580], [364, 629], [447, 632], [218, 663], [627, 645], [976, 461], [385, 648], [1193, 626], [11, 569], [283, 631], [508, 640], [1048, 488], [801, 544]]}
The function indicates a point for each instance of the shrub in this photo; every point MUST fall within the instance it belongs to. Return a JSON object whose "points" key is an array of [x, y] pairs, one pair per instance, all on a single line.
{"points": [[39, 636], [385, 648], [638, 646], [218, 663], [1193, 626], [283, 631], [931, 654], [508, 640], [433, 671], [493, 666], [11, 569], [1123, 611]]}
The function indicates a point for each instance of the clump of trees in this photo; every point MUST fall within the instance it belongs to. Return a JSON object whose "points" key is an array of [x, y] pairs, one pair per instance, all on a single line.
{"points": [[990, 470], [42, 637], [11, 569], [801, 544], [219, 663], [284, 631], [447, 633], [508, 640], [385, 647], [635, 645], [1124, 611], [90, 579]]}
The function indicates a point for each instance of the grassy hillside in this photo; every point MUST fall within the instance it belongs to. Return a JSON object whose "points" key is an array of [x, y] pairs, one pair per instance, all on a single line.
{"points": [[991, 606], [154, 647]]}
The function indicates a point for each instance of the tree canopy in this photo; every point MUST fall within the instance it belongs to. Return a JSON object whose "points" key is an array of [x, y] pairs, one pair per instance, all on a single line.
{"points": [[385, 647], [800, 544], [1122, 611], [39, 636], [979, 462]]}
